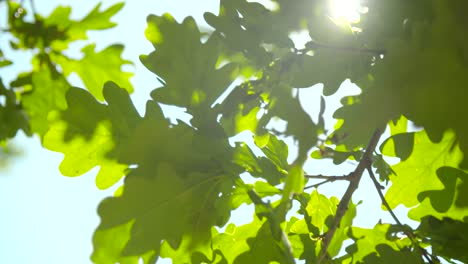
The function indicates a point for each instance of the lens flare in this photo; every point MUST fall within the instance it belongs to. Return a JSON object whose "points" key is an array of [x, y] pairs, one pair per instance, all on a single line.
{"points": [[345, 10]]}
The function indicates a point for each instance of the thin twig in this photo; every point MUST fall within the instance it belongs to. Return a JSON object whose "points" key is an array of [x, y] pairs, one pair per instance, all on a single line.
{"points": [[412, 237], [330, 178], [382, 197], [327, 179], [317, 184], [314, 45], [345, 200]]}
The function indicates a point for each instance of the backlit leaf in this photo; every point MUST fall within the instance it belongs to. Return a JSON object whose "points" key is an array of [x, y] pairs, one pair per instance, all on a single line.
{"points": [[87, 132], [368, 240], [451, 201], [42, 99], [97, 68], [418, 172]]}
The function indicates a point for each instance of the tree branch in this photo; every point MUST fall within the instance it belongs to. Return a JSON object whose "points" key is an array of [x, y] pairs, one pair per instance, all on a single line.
{"points": [[411, 235], [326, 179], [345, 200]]}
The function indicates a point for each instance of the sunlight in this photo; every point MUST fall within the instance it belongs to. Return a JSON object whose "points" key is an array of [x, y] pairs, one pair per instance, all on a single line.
{"points": [[345, 10]]}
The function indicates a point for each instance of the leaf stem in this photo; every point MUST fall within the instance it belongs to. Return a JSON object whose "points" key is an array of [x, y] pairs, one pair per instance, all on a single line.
{"points": [[345, 200], [408, 233]]}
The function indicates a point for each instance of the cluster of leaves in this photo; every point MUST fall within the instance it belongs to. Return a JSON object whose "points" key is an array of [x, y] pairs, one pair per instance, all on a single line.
{"points": [[33, 95], [34, 98], [183, 180]]}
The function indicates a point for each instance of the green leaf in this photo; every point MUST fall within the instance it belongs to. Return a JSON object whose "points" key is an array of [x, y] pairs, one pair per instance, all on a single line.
{"points": [[88, 142], [342, 233], [294, 183], [239, 23], [101, 20], [12, 117], [399, 126], [413, 52], [262, 140], [447, 237], [304, 247], [234, 241], [318, 212], [319, 208], [300, 124], [166, 205], [451, 201], [238, 244], [360, 122], [82, 155], [330, 67], [57, 30], [402, 143], [42, 100], [264, 248], [258, 166], [386, 254], [182, 180], [94, 20], [60, 17], [277, 151], [240, 110], [27, 34], [240, 121], [339, 154], [61, 29], [109, 244], [367, 241], [383, 169], [418, 172], [187, 252], [58, 24], [187, 66], [97, 68], [265, 189], [178, 167]]}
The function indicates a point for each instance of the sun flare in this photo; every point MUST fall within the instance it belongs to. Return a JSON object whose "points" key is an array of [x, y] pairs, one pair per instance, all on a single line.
{"points": [[345, 10]]}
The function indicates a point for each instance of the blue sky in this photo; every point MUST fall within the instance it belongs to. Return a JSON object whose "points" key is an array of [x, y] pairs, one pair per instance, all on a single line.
{"points": [[47, 218]]}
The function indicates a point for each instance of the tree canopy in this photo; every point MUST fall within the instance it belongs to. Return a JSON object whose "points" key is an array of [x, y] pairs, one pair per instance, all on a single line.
{"points": [[182, 180]]}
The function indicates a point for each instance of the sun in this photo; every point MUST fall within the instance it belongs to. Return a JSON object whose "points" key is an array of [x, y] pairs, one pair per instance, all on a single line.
{"points": [[345, 10]]}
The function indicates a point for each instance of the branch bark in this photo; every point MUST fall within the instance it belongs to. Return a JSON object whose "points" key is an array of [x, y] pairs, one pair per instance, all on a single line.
{"points": [[345, 200]]}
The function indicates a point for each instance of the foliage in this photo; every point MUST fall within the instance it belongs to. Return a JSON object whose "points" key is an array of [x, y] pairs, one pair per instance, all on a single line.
{"points": [[183, 180]]}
